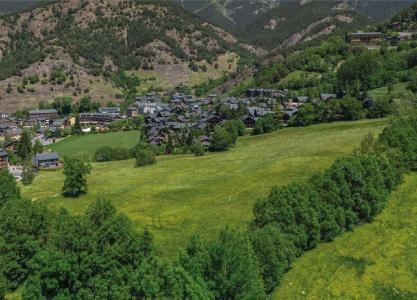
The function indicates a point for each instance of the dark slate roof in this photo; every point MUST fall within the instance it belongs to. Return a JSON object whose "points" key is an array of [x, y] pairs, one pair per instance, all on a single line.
{"points": [[3, 153], [47, 156], [43, 111]]}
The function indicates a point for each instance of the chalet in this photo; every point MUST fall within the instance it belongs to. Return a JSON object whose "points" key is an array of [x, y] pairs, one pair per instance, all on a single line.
{"points": [[366, 37], [109, 110], [249, 121], [205, 141], [97, 118], [11, 145], [288, 113], [13, 133], [43, 114], [4, 160], [46, 160], [132, 112], [393, 40], [396, 26]]}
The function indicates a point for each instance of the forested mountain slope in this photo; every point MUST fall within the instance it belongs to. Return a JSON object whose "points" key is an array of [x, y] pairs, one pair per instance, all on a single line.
{"points": [[68, 43], [273, 23]]}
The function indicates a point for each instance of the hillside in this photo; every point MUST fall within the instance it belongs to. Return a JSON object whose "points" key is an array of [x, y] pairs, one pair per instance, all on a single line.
{"points": [[72, 47], [183, 195], [277, 23], [375, 261]]}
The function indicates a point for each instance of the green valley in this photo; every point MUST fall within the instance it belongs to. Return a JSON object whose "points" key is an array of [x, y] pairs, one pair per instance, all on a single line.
{"points": [[183, 195]]}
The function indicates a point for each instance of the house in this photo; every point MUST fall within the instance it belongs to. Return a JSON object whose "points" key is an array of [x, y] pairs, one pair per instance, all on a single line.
{"points": [[301, 99], [396, 26], [46, 160], [393, 40], [13, 133], [325, 97], [132, 112], [249, 121], [11, 145], [42, 114], [97, 118], [4, 160], [366, 37], [109, 110]]}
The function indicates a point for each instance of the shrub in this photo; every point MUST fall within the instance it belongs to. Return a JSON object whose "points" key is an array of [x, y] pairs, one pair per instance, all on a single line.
{"points": [[221, 140], [144, 155]]}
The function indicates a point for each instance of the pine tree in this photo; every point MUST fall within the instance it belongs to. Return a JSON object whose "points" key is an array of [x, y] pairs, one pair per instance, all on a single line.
{"points": [[24, 146], [27, 174], [76, 129]]}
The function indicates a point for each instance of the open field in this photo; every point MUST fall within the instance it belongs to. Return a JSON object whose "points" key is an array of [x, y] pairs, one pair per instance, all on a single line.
{"points": [[399, 90], [375, 261], [182, 195], [89, 143]]}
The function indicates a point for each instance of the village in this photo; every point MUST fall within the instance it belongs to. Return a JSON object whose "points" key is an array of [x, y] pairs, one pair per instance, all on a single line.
{"points": [[160, 119], [164, 119]]}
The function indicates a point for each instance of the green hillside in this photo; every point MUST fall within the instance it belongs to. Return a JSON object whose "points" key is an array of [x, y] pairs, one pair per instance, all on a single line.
{"points": [[181, 195], [89, 143], [375, 261]]}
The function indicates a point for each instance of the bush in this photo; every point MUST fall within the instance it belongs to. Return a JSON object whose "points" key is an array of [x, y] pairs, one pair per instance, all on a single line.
{"points": [[144, 155], [264, 125], [221, 140], [197, 149], [108, 153]]}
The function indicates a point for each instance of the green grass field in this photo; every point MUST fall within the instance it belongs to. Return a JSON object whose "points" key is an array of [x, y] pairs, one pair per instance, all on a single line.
{"points": [[375, 261], [399, 90], [89, 143], [182, 195]]}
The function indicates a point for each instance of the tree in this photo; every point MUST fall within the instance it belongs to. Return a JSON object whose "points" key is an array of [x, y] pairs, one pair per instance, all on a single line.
{"points": [[197, 149], [24, 146], [352, 109], [412, 84], [27, 174], [221, 140], [144, 155], [228, 265], [8, 187], [75, 170], [76, 129], [38, 147]]}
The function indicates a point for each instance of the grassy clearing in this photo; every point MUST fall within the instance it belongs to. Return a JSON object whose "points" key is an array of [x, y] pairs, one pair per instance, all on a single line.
{"points": [[375, 261], [89, 143], [297, 75], [399, 91], [182, 195]]}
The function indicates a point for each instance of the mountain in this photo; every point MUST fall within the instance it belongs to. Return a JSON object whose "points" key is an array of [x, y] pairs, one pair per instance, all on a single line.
{"points": [[68, 46], [280, 23]]}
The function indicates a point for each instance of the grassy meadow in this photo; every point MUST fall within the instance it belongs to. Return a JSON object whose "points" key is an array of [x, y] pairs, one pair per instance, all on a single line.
{"points": [[182, 195], [89, 143], [375, 261]]}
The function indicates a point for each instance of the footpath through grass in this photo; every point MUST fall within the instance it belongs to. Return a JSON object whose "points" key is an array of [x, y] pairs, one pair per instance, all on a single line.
{"points": [[375, 261], [183, 195], [89, 143]]}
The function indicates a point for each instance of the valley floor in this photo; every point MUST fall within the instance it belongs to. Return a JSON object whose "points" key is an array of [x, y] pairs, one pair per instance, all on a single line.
{"points": [[375, 261], [182, 195]]}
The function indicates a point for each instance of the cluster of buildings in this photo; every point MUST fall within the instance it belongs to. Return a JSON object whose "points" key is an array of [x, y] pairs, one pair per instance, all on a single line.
{"points": [[373, 38], [186, 112]]}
